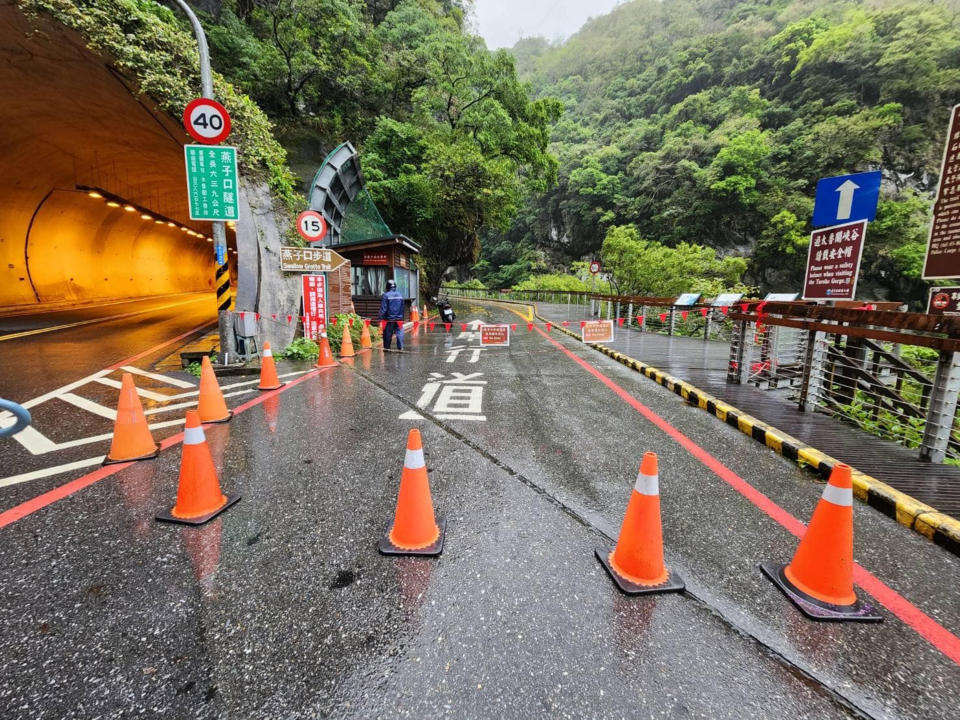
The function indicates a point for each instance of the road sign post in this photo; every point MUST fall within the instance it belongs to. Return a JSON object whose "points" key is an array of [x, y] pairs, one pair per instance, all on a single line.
{"points": [[943, 243]]}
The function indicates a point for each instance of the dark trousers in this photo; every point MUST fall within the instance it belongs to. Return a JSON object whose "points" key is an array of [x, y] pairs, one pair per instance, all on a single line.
{"points": [[394, 327]]}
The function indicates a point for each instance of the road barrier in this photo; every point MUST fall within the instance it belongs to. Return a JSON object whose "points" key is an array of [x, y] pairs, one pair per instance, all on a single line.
{"points": [[131, 435], [199, 497], [415, 530]]}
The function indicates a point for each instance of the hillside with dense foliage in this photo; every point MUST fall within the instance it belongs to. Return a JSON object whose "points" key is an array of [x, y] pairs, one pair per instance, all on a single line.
{"points": [[708, 122], [450, 140]]}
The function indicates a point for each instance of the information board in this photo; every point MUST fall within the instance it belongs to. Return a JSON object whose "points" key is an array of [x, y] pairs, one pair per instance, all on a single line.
{"points": [[298, 259], [943, 245], [833, 262], [687, 299], [211, 182], [726, 299], [495, 335], [597, 331], [944, 301]]}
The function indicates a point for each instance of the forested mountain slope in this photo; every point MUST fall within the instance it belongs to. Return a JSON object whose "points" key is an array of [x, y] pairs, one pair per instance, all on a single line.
{"points": [[710, 121]]}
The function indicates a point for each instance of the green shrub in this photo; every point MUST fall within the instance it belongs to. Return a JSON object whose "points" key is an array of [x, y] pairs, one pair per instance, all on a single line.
{"points": [[335, 332], [194, 368], [300, 349]]}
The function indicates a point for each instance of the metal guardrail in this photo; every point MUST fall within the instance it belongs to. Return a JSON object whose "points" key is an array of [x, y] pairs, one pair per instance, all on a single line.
{"points": [[20, 413]]}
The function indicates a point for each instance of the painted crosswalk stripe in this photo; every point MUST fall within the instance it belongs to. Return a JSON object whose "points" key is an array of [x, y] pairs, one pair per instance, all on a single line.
{"points": [[176, 382]]}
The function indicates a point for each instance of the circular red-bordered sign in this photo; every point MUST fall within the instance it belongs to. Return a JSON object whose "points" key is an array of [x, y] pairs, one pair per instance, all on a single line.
{"points": [[207, 121], [311, 225], [595, 267], [940, 300]]}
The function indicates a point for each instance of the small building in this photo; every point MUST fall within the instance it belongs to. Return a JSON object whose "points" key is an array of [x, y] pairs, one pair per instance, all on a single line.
{"points": [[357, 232]]}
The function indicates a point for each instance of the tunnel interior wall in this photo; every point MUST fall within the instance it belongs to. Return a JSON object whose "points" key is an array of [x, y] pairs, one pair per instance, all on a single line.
{"points": [[80, 249]]}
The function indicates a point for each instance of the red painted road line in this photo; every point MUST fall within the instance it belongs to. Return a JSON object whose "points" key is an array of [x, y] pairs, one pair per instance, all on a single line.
{"points": [[928, 628], [133, 358], [59, 493]]}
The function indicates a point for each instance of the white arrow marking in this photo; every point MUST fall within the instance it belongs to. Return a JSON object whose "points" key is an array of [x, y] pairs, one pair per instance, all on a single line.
{"points": [[845, 208]]}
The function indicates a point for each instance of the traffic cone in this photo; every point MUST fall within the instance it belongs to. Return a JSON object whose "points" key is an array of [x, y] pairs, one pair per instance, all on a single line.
{"points": [[636, 564], [415, 531], [326, 357], [268, 371], [211, 405], [199, 497], [414, 315], [365, 343], [346, 344], [819, 579], [131, 436]]}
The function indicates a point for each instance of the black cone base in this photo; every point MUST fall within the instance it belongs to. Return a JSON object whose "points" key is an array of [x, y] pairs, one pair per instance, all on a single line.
{"points": [[200, 519], [275, 387], [673, 583], [818, 609], [110, 461], [388, 548], [226, 419]]}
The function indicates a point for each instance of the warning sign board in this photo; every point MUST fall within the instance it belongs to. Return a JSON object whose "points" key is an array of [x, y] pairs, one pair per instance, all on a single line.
{"points": [[314, 305], [833, 262], [943, 245], [597, 331], [297, 259], [944, 301], [495, 335]]}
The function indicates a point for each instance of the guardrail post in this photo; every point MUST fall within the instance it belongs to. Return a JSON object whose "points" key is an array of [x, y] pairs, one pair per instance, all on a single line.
{"points": [[706, 327], [643, 318], [812, 378], [736, 365], [672, 320], [629, 314], [609, 309], [942, 409], [618, 311]]}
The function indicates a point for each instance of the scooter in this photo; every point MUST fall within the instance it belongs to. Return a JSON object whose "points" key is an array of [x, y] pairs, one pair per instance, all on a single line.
{"points": [[447, 314]]}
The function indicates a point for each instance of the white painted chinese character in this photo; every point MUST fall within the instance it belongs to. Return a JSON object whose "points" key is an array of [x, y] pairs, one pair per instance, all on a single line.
{"points": [[458, 398]]}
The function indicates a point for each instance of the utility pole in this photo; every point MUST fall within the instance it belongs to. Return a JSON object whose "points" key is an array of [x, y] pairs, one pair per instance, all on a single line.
{"points": [[222, 276]]}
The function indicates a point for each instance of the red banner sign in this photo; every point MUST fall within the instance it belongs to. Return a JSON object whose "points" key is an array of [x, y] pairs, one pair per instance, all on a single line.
{"points": [[376, 258], [314, 305], [833, 262], [495, 335]]}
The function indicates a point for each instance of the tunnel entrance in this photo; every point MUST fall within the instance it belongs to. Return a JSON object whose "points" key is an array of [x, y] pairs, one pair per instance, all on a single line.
{"points": [[92, 181]]}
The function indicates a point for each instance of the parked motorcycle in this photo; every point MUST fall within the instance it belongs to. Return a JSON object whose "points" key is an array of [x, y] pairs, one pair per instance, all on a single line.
{"points": [[447, 314]]}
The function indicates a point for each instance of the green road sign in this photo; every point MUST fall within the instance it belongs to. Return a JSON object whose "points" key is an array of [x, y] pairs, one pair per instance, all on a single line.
{"points": [[212, 181]]}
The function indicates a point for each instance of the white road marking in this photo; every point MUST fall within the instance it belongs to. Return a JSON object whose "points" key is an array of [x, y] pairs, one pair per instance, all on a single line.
{"points": [[462, 417], [47, 472], [110, 382], [66, 388], [109, 435], [411, 415], [176, 382], [89, 406]]}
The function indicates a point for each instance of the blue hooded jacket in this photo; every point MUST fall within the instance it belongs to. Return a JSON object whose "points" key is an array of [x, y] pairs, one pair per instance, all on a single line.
{"points": [[391, 306]]}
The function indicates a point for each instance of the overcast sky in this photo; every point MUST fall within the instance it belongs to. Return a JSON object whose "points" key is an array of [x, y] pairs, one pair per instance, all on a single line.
{"points": [[503, 22]]}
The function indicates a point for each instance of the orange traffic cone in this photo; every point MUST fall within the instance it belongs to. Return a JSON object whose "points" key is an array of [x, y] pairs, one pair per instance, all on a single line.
{"points": [[211, 405], [268, 371], [819, 580], [414, 315], [365, 343], [415, 531], [199, 497], [636, 564], [346, 344], [326, 357], [131, 436]]}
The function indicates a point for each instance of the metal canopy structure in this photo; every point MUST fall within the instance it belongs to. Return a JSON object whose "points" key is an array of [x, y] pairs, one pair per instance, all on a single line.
{"points": [[339, 193]]}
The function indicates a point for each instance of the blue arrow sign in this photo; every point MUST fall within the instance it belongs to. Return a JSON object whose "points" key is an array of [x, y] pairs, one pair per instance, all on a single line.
{"points": [[846, 198]]}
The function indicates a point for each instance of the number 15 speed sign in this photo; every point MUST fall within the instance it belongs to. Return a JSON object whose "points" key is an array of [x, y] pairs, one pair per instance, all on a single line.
{"points": [[207, 121], [311, 225]]}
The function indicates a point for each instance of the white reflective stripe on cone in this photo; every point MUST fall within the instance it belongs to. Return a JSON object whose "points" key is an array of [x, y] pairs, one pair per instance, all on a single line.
{"points": [[194, 436], [647, 484], [414, 459], [268, 353], [838, 496]]}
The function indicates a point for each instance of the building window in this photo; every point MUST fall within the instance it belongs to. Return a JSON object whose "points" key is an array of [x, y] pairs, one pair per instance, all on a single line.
{"points": [[369, 280]]}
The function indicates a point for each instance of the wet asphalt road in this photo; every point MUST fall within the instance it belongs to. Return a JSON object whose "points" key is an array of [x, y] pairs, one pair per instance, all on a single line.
{"points": [[283, 608]]}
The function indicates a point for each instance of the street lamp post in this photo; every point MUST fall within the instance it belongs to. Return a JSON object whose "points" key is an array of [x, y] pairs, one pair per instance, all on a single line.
{"points": [[222, 277]]}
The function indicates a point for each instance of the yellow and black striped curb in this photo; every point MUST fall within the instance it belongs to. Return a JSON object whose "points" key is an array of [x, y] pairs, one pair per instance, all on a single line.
{"points": [[920, 517]]}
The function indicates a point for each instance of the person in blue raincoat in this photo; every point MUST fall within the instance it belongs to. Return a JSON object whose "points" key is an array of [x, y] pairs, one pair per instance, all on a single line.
{"points": [[391, 310]]}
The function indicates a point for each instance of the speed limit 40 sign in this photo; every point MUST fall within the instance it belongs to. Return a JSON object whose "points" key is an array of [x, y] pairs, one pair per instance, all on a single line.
{"points": [[207, 121], [311, 225]]}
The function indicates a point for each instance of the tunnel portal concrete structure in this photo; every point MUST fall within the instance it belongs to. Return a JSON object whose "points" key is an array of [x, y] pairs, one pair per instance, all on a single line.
{"points": [[70, 121]]}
